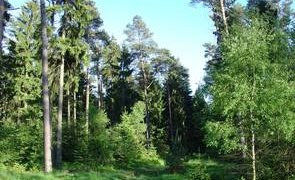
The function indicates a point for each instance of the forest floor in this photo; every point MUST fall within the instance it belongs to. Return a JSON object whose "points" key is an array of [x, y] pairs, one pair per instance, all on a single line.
{"points": [[216, 169]]}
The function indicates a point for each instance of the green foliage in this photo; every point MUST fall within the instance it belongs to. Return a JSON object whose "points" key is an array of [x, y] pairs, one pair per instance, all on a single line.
{"points": [[253, 91], [26, 67], [177, 89], [19, 144], [200, 116], [118, 81], [222, 136], [100, 148], [200, 173], [139, 38], [129, 137]]}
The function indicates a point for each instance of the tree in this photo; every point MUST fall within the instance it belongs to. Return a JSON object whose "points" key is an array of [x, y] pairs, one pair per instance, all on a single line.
{"points": [[178, 106], [24, 50], [45, 90], [252, 84], [2, 10], [139, 40], [4, 16], [111, 76]]}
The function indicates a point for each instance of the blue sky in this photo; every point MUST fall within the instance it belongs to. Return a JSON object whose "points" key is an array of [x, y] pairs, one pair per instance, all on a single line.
{"points": [[176, 25]]}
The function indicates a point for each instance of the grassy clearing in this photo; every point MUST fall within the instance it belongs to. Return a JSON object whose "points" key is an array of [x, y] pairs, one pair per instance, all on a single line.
{"points": [[217, 170]]}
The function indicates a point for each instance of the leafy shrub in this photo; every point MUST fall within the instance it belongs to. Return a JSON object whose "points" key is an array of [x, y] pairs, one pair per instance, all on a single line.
{"points": [[128, 137], [21, 143], [175, 158], [222, 135], [199, 173], [100, 147]]}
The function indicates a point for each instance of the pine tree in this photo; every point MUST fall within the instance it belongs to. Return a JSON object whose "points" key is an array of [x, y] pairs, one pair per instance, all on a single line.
{"points": [[139, 40], [24, 52]]}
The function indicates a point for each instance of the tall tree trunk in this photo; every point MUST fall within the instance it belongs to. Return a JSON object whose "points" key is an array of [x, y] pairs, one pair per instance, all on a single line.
{"points": [[59, 116], [253, 129], [99, 90], [87, 101], [242, 136], [148, 134], [253, 147], [223, 16], [2, 10], [75, 109], [101, 93], [69, 106], [45, 88], [253, 155], [244, 144], [170, 115]]}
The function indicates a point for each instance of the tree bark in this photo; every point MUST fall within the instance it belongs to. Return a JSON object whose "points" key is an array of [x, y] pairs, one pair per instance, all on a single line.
{"points": [[45, 88], [2, 10], [99, 90], [59, 116], [223, 16], [170, 114], [242, 136], [69, 107], [75, 109], [253, 129], [87, 101], [101, 93], [253, 155]]}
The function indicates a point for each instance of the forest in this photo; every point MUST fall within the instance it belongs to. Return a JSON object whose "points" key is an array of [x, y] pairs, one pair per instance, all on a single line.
{"points": [[77, 104]]}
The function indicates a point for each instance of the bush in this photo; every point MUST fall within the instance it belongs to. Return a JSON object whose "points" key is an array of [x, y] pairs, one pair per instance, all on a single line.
{"points": [[175, 158], [100, 147], [199, 173], [21, 143], [128, 137]]}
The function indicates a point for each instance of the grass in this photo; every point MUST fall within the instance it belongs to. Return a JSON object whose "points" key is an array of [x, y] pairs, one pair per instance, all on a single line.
{"points": [[217, 170]]}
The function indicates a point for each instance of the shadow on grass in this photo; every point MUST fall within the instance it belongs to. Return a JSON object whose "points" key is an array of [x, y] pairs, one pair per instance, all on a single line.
{"points": [[151, 171], [217, 169]]}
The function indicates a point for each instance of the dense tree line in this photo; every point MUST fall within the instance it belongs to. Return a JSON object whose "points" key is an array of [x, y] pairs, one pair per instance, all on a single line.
{"points": [[249, 83], [100, 99], [94, 101]]}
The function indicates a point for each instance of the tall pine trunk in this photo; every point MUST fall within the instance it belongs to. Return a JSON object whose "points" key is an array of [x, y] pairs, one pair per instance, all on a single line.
{"points": [[223, 15], [75, 109], [170, 114], [87, 101], [59, 116], [2, 10], [69, 106], [99, 89], [45, 90]]}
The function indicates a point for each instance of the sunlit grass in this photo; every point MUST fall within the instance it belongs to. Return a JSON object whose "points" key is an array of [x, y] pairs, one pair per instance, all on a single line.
{"points": [[144, 171]]}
